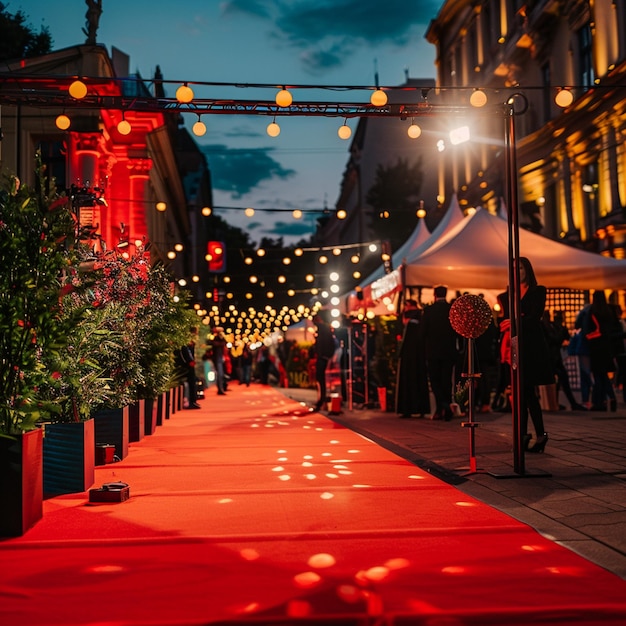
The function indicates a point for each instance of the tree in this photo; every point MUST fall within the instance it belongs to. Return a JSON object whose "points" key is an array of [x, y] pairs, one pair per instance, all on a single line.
{"points": [[36, 231], [395, 192], [18, 40]]}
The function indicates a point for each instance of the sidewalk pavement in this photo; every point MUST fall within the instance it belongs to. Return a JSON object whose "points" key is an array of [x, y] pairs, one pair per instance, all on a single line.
{"points": [[574, 493]]}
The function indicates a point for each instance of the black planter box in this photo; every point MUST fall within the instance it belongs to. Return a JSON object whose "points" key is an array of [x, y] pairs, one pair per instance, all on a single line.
{"points": [[112, 428], [21, 482], [68, 457]]}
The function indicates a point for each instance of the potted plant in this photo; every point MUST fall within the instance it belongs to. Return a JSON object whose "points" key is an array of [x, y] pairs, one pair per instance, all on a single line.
{"points": [[36, 230], [79, 382], [164, 326], [145, 321]]}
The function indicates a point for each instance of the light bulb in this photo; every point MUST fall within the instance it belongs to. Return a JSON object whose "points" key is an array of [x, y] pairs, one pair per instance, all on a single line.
{"points": [[414, 131], [184, 94], [478, 98], [344, 132], [564, 98], [123, 128], [379, 98], [78, 90], [199, 128], [63, 122], [273, 129], [283, 98]]}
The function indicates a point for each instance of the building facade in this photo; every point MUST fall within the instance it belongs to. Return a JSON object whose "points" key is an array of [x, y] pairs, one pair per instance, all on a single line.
{"points": [[115, 176], [571, 159]]}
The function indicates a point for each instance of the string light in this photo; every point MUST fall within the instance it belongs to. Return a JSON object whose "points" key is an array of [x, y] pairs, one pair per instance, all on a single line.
{"points": [[478, 98], [344, 131], [284, 98], [273, 129], [124, 127], [414, 131], [184, 94], [379, 98], [78, 90], [563, 98], [63, 122], [199, 128]]}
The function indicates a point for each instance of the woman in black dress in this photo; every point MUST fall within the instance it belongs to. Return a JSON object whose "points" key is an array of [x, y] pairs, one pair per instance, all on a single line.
{"points": [[412, 395], [535, 364]]}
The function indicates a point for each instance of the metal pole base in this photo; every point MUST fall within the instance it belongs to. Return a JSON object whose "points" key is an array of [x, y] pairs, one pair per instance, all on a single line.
{"points": [[525, 474]]}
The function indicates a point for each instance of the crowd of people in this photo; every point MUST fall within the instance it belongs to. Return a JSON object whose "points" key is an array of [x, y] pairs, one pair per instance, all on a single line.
{"points": [[221, 365], [433, 366], [433, 363]]}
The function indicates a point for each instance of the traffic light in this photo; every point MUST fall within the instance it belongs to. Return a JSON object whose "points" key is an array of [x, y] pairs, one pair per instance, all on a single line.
{"points": [[217, 256]]}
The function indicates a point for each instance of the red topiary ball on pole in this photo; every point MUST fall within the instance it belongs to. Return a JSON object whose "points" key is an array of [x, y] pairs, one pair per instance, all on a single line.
{"points": [[470, 316]]}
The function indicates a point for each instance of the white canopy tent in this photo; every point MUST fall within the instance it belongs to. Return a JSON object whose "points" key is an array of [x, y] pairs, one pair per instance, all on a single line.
{"points": [[474, 255], [379, 290]]}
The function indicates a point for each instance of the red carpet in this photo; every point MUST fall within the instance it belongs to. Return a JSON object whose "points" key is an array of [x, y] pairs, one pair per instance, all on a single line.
{"points": [[253, 510]]}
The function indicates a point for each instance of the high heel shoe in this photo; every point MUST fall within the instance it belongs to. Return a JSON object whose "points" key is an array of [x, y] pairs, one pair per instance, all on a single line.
{"points": [[540, 444], [526, 441]]}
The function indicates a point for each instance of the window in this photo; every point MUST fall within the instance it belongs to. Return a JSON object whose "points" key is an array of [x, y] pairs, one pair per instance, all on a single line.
{"points": [[585, 57], [53, 158], [546, 83]]}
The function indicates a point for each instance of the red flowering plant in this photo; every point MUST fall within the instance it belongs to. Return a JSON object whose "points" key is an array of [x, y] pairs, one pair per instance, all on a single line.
{"points": [[36, 236], [108, 292], [122, 348]]}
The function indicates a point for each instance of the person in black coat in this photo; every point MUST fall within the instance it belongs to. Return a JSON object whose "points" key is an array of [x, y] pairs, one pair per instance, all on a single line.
{"points": [[412, 395], [324, 348], [557, 335], [535, 363], [441, 352], [187, 362], [602, 333]]}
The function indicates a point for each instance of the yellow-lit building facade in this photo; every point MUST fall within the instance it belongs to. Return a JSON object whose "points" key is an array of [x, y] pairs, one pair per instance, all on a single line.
{"points": [[571, 159]]}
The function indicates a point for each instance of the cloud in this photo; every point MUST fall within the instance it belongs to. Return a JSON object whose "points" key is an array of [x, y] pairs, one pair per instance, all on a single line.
{"points": [[328, 33], [257, 8], [238, 171], [295, 228], [242, 131], [367, 21]]}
